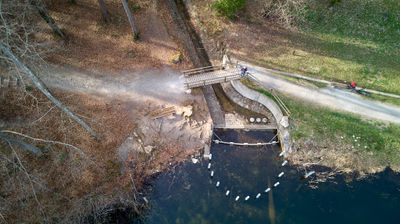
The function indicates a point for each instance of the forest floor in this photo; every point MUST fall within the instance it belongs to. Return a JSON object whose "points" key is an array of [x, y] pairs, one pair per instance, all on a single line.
{"points": [[114, 84]]}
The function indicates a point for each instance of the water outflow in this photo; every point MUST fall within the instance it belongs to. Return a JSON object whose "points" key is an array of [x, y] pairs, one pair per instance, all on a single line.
{"points": [[167, 86]]}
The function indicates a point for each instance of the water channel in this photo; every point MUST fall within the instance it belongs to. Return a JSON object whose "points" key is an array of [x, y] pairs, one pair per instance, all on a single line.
{"points": [[187, 194]]}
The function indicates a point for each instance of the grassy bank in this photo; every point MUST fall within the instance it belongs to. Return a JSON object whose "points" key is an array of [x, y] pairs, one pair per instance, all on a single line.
{"points": [[356, 40], [329, 128]]}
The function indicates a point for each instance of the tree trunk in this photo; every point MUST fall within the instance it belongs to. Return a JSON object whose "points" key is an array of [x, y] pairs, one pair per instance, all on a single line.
{"points": [[44, 90], [128, 13], [46, 16], [104, 11], [20, 143]]}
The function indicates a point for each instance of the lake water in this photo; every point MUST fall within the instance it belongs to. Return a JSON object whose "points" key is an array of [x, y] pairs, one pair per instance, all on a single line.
{"points": [[187, 194]]}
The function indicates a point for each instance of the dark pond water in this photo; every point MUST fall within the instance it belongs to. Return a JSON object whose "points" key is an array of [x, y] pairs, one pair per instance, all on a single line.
{"points": [[187, 194]]}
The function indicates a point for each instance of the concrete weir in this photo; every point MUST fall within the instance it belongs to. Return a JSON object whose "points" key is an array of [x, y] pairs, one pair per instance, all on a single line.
{"points": [[199, 57], [281, 120]]}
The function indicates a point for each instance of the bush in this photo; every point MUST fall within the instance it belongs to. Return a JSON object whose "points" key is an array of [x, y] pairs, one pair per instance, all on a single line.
{"points": [[285, 12], [335, 1], [229, 7]]}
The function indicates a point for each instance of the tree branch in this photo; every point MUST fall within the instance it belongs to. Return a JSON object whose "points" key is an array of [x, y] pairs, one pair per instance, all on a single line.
{"points": [[30, 181], [44, 90], [20, 143], [47, 141]]}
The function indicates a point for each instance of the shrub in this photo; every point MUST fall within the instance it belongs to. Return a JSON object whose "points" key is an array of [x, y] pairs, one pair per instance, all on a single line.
{"points": [[335, 1], [229, 7]]}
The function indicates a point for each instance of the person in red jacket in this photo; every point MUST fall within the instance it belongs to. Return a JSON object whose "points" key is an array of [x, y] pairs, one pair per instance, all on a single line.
{"points": [[353, 85]]}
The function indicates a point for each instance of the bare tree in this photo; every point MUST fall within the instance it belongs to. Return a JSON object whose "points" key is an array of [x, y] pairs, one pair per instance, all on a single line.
{"points": [[129, 15], [40, 86], [20, 50], [104, 11], [40, 7]]}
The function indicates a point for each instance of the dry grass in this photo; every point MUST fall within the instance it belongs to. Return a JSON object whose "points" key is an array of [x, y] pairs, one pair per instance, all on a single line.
{"points": [[65, 175], [71, 184]]}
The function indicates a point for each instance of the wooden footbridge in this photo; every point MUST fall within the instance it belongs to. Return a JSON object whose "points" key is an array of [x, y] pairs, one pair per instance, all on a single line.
{"points": [[209, 75]]}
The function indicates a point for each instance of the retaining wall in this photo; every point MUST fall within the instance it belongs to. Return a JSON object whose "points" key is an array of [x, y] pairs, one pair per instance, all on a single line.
{"points": [[283, 129]]}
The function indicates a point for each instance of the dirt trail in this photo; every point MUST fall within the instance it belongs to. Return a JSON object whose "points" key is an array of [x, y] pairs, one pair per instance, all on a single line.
{"points": [[329, 96], [144, 91], [158, 85]]}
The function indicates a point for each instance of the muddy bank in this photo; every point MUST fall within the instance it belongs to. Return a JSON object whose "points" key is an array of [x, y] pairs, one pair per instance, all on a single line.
{"points": [[340, 158]]}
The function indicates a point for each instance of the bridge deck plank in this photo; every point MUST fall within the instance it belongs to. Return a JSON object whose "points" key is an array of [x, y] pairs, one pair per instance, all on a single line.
{"points": [[212, 78]]}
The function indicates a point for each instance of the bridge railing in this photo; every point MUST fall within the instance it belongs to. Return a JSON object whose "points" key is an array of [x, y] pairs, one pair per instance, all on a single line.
{"points": [[205, 82], [196, 71]]}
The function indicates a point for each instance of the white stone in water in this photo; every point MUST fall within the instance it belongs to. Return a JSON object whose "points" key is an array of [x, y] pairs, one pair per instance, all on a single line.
{"points": [[281, 174], [282, 153], [210, 156], [212, 173], [309, 174], [252, 119], [227, 193], [188, 91], [246, 198], [209, 166], [265, 120], [258, 195], [276, 184], [216, 141], [267, 190], [217, 185], [194, 160], [258, 120], [237, 198], [284, 163]]}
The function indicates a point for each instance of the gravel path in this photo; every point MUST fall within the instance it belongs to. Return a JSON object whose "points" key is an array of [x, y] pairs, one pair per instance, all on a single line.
{"points": [[329, 96]]}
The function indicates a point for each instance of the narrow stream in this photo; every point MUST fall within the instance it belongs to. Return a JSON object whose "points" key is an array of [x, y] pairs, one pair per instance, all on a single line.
{"points": [[188, 194]]}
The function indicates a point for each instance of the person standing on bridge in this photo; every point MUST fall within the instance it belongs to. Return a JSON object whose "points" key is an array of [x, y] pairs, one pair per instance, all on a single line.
{"points": [[244, 70]]}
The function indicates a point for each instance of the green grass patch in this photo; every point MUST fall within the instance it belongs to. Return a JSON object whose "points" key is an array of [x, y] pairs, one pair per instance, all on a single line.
{"points": [[353, 40], [324, 124]]}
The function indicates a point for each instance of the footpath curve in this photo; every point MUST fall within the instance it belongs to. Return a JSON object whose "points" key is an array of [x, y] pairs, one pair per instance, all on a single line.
{"points": [[329, 96]]}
